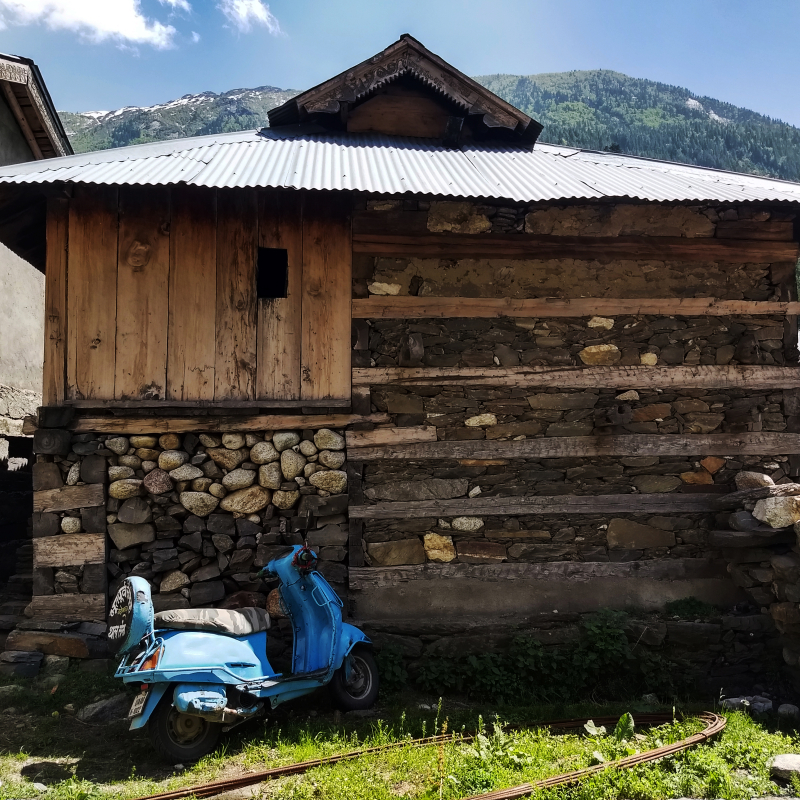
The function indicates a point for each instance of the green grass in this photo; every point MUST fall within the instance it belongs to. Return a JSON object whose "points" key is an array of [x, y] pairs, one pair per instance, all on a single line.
{"points": [[41, 742]]}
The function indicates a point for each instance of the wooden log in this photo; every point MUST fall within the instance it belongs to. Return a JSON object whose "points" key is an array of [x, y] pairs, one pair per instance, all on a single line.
{"points": [[700, 377], [770, 230], [522, 506], [142, 293], [69, 607], [720, 539], [192, 294], [139, 404], [69, 498], [530, 246], [55, 303], [720, 444], [384, 436], [69, 549], [447, 307], [665, 569], [738, 499], [161, 425], [280, 225], [92, 292]]}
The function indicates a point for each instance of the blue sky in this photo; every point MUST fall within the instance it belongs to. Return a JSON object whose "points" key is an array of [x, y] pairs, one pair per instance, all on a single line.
{"points": [[104, 54]]}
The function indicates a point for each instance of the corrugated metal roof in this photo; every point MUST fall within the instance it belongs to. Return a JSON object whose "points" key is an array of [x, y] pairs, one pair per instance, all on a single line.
{"points": [[395, 165]]}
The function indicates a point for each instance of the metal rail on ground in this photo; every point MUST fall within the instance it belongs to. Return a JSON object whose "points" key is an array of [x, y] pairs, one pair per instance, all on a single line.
{"points": [[714, 725]]}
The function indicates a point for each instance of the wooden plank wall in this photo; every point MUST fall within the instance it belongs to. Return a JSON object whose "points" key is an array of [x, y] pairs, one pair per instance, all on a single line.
{"points": [[151, 296]]}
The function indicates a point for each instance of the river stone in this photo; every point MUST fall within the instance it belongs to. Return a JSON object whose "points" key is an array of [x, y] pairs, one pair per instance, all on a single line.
{"points": [[201, 484], [207, 440], [172, 459], [333, 481], [692, 404], [439, 548], [283, 440], [702, 423], [157, 482], [149, 466], [326, 439], [238, 479], [143, 441], [135, 511], [457, 217], [228, 459], [270, 476], [198, 503], [600, 354], [778, 512], [119, 473], [169, 441], [431, 489], [264, 453], [71, 525], [285, 500], [712, 464], [308, 448], [743, 521], [74, 474], [207, 592], [600, 322], [397, 553], [656, 484], [625, 534], [246, 501], [124, 535], [122, 490], [148, 454], [119, 445], [784, 766], [104, 711], [698, 477], [480, 421], [468, 524], [222, 542], [173, 580], [292, 464], [329, 536], [187, 472], [233, 441], [217, 490], [192, 541], [752, 480], [333, 459], [206, 573]]}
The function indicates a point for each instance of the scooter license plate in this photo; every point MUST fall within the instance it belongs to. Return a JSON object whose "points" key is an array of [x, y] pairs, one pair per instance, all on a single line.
{"points": [[138, 705]]}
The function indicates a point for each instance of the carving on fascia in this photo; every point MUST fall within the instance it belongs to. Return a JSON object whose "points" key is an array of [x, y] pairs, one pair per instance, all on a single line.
{"points": [[44, 116], [13, 73]]}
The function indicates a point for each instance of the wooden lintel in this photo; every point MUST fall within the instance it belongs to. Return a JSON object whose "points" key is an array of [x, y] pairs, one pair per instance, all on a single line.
{"points": [[69, 607], [636, 444], [391, 436], [522, 506], [534, 246], [69, 498], [144, 425], [69, 549], [209, 404], [700, 377], [446, 307]]}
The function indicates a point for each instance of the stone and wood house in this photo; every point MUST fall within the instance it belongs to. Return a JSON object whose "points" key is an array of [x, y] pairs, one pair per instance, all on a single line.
{"points": [[512, 381]]}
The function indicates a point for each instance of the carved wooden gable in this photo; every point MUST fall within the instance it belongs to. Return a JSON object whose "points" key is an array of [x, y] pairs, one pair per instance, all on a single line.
{"points": [[409, 91]]}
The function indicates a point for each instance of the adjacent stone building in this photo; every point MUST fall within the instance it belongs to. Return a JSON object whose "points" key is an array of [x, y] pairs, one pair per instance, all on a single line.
{"points": [[513, 382]]}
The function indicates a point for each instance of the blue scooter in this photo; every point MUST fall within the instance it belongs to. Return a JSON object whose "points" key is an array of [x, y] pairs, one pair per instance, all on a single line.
{"points": [[203, 671]]}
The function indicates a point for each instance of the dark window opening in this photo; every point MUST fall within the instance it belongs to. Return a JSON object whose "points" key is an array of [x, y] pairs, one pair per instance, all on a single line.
{"points": [[272, 273]]}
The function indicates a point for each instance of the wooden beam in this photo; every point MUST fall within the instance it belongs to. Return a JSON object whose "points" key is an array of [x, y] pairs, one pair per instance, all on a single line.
{"points": [[390, 436], [700, 377], [69, 550], [146, 425], [447, 307], [68, 498], [530, 246], [69, 607], [55, 303], [522, 506], [22, 120], [270, 403], [717, 444]]}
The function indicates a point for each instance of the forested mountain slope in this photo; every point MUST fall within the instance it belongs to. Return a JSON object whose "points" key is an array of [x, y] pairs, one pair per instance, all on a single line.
{"points": [[594, 109]]}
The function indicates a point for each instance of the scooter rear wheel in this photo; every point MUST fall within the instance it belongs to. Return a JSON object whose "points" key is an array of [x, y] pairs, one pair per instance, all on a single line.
{"points": [[361, 691], [178, 738]]}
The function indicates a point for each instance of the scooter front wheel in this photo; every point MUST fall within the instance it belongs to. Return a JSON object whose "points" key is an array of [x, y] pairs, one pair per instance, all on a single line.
{"points": [[177, 737], [361, 690]]}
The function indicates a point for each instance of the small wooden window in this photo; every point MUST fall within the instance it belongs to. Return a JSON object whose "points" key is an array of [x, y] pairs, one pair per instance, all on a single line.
{"points": [[272, 273]]}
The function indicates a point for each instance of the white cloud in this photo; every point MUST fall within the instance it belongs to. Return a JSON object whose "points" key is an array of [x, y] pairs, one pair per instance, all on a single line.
{"points": [[245, 13], [183, 5], [121, 21], [195, 37]]}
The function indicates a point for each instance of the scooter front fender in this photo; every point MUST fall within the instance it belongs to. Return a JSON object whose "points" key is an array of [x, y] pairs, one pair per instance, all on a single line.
{"points": [[156, 693], [350, 637]]}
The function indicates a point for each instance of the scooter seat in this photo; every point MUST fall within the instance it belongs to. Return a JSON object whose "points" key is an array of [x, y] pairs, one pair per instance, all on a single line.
{"points": [[239, 622]]}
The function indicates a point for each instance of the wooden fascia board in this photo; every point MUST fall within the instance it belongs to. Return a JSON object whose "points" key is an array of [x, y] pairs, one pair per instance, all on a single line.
{"points": [[545, 246], [634, 377], [37, 101], [405, 307]]}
